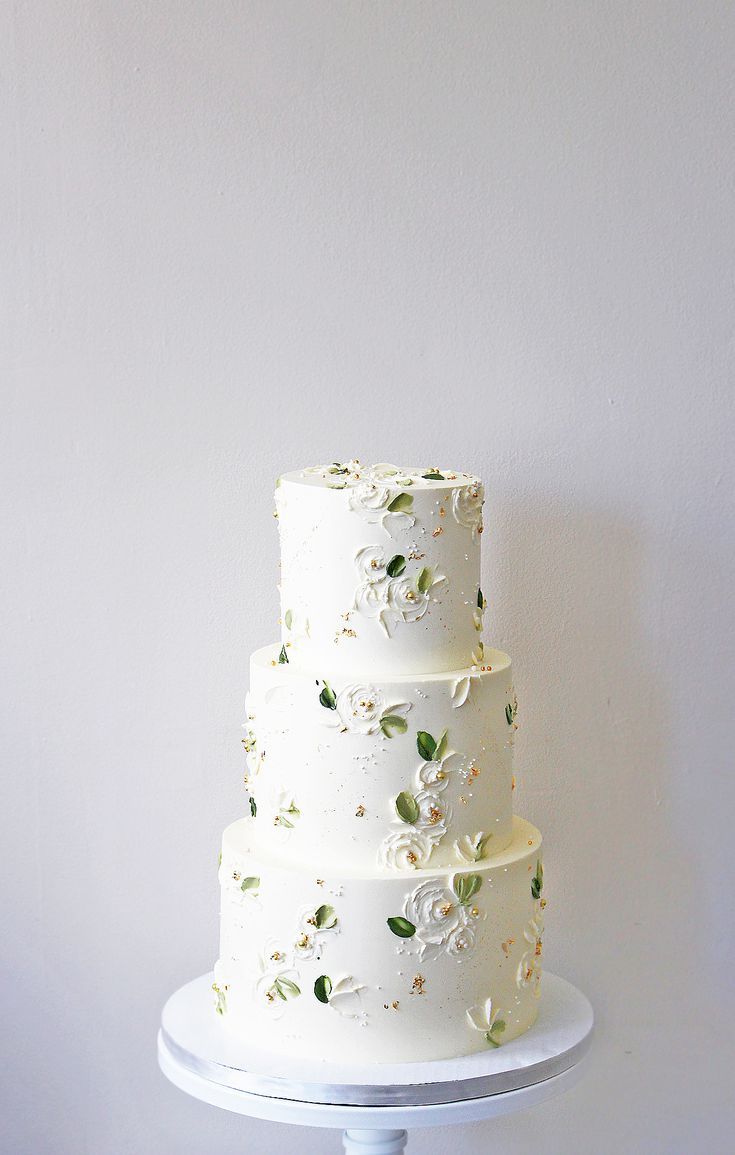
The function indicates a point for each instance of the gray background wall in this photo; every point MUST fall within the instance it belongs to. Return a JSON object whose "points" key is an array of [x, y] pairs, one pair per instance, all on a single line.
{"points": [[242, 237]]}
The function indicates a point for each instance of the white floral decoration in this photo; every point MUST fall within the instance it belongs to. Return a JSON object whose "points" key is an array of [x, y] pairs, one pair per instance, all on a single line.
{"points": [[371, 498], [309, 938], [276, 979], [406, 849], [467, 501], [471, 847], [444, 925], [345, 998], [487, 1019], [239, 887], [529, 967], [362, 708], [436, 774]]}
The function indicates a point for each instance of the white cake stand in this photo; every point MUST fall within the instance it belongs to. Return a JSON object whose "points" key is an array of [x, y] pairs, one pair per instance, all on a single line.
{"points": [[373, 1105]]}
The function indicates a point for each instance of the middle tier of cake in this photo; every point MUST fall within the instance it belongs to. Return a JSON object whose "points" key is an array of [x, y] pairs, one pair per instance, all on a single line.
{"points": [[393, 774]]}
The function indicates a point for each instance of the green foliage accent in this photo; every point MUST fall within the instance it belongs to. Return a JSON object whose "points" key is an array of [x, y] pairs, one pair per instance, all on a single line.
{"points": [[426, 745], [441, 747], [392, 724], [323, 988], [497, 1029], [434, 475], [251, 883], [396, 565], [325, 918], [401, 927], [401, 503], [407, 807], [466, 886], [510, 713], [285, 820], [283, 657], [253, 806], [480, 600], [424, 580], [285, 987], [288, 619], [537, 882], [337, 468], [328, 698]]}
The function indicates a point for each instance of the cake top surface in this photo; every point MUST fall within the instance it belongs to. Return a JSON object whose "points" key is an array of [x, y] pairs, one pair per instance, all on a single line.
{"points": [[350, 474]]}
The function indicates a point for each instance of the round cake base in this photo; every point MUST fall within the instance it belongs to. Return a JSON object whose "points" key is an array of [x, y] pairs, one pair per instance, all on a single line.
{"points": [[199, 1055]]}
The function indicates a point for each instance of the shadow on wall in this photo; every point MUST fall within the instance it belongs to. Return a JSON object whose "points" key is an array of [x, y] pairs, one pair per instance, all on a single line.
{"points": [[593, 763]]}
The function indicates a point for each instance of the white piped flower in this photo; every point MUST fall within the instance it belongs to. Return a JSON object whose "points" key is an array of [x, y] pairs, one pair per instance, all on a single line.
{"points": [[529, 968], [345, 997], [461, 942], [467, 504], [371, 562], [471, 847], [435, 814], [371, 499], [406, 849]]}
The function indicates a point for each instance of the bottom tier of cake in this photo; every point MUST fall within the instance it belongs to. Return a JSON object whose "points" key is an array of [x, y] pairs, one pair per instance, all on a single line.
{"points": [[387, 968]]}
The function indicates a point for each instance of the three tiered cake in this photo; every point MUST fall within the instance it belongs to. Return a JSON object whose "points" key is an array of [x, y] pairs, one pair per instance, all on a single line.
{"points": [[379, 900]]}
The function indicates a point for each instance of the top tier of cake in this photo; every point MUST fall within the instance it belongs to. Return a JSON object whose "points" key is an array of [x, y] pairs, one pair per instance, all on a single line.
{"points": [[380, 568]]}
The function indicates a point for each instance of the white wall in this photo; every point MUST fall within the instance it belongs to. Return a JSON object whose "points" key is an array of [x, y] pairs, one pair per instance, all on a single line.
{"points": [[239, 237]]}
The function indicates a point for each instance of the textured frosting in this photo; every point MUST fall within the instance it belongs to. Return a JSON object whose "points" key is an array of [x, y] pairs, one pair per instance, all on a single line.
{"points": [[380, 568], [416, 966], [398, 773]]}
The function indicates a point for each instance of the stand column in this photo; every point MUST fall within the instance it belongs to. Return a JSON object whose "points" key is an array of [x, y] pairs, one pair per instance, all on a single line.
{"points": [[372, 1142]]}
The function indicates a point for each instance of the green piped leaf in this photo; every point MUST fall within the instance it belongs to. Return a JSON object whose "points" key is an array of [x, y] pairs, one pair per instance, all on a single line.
{"points": [[283, 657], [480, 600], [253, 807], [401, 503], [288, 619], [424, 580], [285, 987], [496, 1029], [434, 475], [396, 565], [537, 882], [466, 886], [407, 808], [250, 883], [510, 714], [392, 724], [401, 927], [328, 698], [426, 745], [325, 918], [323, 988], [441, 747]]}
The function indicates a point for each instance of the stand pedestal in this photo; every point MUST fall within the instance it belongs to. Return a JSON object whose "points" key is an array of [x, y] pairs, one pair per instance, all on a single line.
{"points": [[374, 1105]]}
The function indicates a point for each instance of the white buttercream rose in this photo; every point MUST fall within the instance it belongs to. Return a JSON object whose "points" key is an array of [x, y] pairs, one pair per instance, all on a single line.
{"points": [[405, 601], [371, 562], [434, 911], [371, 498], [461, 942], [434, 814], [467, 506], [529, 968], [406, 849], [345, 997], [360, 708]]}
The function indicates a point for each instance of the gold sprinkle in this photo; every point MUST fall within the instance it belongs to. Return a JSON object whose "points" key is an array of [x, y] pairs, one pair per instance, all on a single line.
{"points": [[435, 815], [442, 511], [395, 1005], [411, 857], [475, 911], [360, 812], [320, 882], [438, 531], [236, 875], [530, 842], [513, 782], [419, 983], [446, 909], [303, 942], [276, 956], [463, 800]]}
